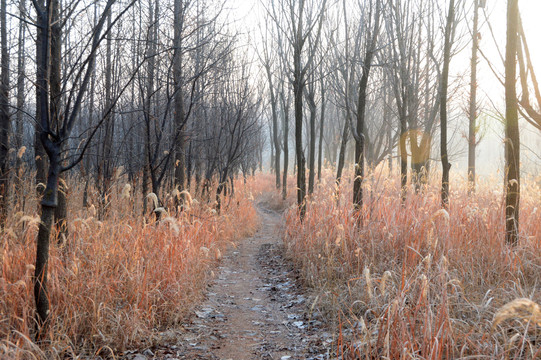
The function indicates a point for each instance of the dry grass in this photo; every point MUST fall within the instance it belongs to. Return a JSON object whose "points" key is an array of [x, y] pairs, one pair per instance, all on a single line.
{"points": [[415, 282], [118, 281], [272, 199]]}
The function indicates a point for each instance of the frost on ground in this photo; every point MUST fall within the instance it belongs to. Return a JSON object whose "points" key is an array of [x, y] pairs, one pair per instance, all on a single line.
{"points": [[255, 309]]}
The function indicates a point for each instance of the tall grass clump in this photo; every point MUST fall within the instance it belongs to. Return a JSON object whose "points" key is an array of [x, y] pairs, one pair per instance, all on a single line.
{"points": [[412, 281], [118, 281]]}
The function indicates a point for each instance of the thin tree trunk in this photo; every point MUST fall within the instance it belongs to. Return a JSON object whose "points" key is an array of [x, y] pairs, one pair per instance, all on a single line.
{"points": [[361, 106], [321, 126], [4, 116], [342, 153], [285, 106], [446, 166], [19, 135], [472, 139], [512, 138], [275, 138], [48, 202], [48, 207], [301, 162], [39, 152], [61, 210], [403, 159], [148, 103], [180, 159], [109, 123], [312, 143]]}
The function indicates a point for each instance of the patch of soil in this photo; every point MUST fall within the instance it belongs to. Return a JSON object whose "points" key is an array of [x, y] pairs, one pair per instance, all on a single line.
{"points": [[255, 309]]}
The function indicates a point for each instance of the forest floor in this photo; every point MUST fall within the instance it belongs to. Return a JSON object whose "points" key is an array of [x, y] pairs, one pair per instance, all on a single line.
{"points": [[254, 309]]}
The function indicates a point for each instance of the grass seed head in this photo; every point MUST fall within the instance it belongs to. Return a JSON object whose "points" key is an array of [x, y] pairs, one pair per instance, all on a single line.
{"points": [[154, 198], [126, 191], [521, 309], [368, 280], [384, 279]]}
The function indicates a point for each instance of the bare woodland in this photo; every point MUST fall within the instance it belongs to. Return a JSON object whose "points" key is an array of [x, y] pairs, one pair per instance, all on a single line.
{"points": [[164, 118]]}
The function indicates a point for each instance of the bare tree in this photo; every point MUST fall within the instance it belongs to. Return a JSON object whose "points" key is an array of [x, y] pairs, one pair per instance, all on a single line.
{"points": [[301, 20], [54, 132], [4, 114], [310, 95], [472, 114], [266, 58], [446, 166], [372, 28], [512, 138], [322, 91], [21, 73]]}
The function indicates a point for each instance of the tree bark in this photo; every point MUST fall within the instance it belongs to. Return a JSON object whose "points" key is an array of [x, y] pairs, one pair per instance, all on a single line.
{"points": [[148, 101], [301, 171], [342, 153], [275, 138], [472, 132], [179, 114], [312, 143], [55, 95], [19, 134], [285, 107], [298, 90], [321, 127], [40, 157], [360, 135], [49, 200], [4, 116], [105, 170], [403, 159], [512, 138], [53, 135], [446, 166]]}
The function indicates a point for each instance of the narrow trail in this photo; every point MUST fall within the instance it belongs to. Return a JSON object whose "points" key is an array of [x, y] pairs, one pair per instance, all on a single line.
{"points": [[254, 308]]}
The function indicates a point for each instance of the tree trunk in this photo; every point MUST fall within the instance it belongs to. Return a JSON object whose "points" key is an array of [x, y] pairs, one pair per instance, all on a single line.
{"points": [[361, 105], [359, 138], [342, 153], [41, 294], [443, 106], [472, 138], [39, 152], [106, 171], [512, 139], [321, 126], [403, 159], [312, 144], [360, 135], [180, 144], [286, 146], [49, 204], [4, 116], [301, 162], [55, 94], [275, 138], [19, 133], [147, 173], [52, 137]]}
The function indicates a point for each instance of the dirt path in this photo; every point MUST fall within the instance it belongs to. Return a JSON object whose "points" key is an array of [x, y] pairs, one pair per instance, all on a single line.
{"points": [[254, 308]]}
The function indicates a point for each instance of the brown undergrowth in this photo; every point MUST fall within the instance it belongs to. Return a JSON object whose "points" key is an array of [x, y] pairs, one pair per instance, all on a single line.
{"points": [[413, 281], [117, 281]]}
